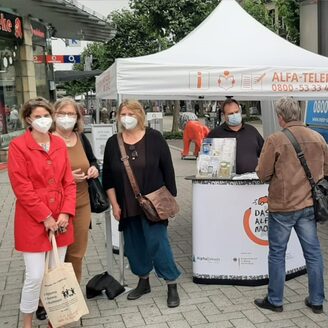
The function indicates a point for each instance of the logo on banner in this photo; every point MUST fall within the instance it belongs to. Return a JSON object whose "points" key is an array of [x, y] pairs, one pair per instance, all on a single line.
{"points": [[226, 80], [199, 80], [256, 221]]}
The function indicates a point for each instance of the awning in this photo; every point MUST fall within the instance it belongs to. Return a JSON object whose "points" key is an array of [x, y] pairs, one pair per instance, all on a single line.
{"points": [[61, 76], [69, 19]]}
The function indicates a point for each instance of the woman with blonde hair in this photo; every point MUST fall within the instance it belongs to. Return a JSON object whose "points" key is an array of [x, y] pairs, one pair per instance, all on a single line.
{"points": [[69, 127], [146, 243]]}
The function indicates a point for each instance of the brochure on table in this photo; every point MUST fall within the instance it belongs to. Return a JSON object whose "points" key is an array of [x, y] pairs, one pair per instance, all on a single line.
{"points": [[217, 158]]}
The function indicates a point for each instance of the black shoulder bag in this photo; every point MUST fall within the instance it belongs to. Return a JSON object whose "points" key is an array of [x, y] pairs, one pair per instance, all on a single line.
{"points": [[97, 195], [319, 189]]}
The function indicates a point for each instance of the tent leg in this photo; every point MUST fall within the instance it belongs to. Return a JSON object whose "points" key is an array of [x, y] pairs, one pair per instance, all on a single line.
{"points": [[109, 242], [121, 258]]}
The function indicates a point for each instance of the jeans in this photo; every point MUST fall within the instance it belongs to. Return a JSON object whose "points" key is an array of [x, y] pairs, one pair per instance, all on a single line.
{"points": [[280, 226], [147, 246]]}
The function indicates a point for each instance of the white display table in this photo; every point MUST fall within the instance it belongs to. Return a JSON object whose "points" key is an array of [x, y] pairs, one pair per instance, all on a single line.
{"points": [[229, 228]]}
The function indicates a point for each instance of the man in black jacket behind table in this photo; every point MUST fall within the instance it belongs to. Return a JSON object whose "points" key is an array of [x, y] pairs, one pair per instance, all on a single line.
{"points": [[249, 140]]}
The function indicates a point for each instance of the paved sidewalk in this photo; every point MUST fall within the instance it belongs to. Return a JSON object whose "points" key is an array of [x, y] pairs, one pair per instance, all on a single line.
{"points": [[202, 306]]}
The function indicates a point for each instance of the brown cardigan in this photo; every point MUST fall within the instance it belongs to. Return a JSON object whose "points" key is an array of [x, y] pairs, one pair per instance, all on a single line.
{"points": [[289, 188]]}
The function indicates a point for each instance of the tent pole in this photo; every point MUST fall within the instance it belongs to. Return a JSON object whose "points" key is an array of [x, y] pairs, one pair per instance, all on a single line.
{"points": [[121, 238]]}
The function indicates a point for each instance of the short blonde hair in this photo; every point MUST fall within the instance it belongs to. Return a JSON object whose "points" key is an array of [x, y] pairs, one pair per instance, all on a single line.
{"points": [[63, 102], [137, 109]]}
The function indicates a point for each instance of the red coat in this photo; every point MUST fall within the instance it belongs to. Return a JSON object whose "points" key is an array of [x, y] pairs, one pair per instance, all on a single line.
{"points": [[43, 184]]}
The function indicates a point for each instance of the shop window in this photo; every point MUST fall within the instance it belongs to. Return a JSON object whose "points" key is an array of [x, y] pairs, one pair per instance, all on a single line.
{"points": [[10, 95]]}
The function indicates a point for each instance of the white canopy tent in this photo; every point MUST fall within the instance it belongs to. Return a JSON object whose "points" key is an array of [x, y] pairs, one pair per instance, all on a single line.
{"points": [[228, 54]]}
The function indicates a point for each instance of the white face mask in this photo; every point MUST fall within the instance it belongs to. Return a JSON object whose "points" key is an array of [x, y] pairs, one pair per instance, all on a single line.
{"points": [[66, 123], [129, 122], [42, 124]]}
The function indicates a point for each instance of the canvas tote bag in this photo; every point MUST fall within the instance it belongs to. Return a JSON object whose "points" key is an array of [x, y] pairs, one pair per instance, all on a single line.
{"points": [[61, 294]]}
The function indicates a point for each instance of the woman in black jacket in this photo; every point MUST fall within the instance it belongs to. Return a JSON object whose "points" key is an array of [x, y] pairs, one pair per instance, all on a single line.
{"points": [[146, 243]]}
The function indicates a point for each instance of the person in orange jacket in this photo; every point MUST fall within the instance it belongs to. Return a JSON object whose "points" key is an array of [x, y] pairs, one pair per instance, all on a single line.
{"points": [[194, 131], [41, 178]]}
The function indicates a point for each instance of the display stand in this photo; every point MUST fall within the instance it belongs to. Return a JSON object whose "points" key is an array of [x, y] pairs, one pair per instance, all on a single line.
{"points": [[229, 233]]}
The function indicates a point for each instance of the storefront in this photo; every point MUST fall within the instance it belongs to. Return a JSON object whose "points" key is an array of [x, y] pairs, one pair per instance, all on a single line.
{"points": [[11, 36]]}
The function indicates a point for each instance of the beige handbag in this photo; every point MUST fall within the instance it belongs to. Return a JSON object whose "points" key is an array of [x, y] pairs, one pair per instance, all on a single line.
{"points": [[61, 294], [157, 205]]}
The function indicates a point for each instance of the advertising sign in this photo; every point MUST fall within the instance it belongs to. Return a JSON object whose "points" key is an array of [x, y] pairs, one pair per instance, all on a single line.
{"points": [[100, 134], [317, 113], [39, 33], [230, 238], [63, 59], [11, 26]]}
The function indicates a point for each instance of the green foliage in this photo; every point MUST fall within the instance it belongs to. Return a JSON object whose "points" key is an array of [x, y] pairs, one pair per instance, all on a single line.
{"points": [[173, 135], [133, 37], [258, 10], [172, 19], [289, 19]]}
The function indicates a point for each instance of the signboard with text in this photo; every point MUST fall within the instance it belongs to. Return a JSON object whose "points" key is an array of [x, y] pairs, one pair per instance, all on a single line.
{"points": [[100, 134], [317, 112], [11, 26]]}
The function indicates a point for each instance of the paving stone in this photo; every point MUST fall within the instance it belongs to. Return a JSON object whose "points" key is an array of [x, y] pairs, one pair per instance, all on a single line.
{"points": [[194, 317], [255, 316], [276, 324], [242, 323]]}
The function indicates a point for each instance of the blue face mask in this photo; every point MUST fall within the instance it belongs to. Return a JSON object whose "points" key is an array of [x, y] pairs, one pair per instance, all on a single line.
{"points": [[234, 119]]}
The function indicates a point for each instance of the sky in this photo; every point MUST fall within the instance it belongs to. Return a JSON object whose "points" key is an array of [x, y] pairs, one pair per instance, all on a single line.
{"points": [[103, 7]]}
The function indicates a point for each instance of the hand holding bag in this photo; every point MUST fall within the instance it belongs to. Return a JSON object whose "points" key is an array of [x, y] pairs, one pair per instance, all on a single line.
{"points": [[97, 195], [157, 205], [98, 198], [319, 189], [61, 294]]}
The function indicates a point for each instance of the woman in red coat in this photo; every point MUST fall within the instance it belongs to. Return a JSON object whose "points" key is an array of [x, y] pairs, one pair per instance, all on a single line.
{"points": [[41, 178]]}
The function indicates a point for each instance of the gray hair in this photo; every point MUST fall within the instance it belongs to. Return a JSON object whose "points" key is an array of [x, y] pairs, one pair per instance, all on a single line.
{"points": [[288, 108]]}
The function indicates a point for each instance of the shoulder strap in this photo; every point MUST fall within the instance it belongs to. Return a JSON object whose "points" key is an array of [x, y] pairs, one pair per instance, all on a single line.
{"points": [[129, 172], [300, 154]]}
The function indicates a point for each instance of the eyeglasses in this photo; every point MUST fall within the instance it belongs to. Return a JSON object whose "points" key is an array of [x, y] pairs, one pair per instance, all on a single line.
{"points": [[62, 114], [134, 153]]}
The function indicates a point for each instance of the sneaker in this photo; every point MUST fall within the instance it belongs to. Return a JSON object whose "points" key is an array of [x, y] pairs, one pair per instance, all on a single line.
{"points": [[265, 304], [315, 308]]}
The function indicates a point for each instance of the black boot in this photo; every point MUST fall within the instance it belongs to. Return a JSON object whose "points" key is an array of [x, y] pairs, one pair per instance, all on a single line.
{"points": [[173, 299], [41, 313], [142, 288]]}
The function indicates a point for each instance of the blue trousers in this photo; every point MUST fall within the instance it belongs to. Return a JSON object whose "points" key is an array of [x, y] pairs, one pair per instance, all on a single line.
{"points": [[147, 247], [280, 226]]}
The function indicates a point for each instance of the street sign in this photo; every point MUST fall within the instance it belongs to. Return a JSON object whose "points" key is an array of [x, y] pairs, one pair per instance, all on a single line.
{"points": [[74, 43]]}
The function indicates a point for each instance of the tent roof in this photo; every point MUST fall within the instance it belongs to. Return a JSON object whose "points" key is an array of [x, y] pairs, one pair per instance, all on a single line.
{"points": [[229, 36], [229, 53]]}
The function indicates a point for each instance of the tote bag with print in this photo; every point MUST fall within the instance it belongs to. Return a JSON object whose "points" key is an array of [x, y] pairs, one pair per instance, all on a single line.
{"points": [[61, 294]]}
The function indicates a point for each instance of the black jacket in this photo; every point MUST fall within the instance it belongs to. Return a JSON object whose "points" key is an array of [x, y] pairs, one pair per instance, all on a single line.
{"points": [[159, 169]]}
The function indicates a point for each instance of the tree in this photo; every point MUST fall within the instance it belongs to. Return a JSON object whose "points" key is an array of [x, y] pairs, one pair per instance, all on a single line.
{"points": [[173, 19], [258, 10], [289, 19]]}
